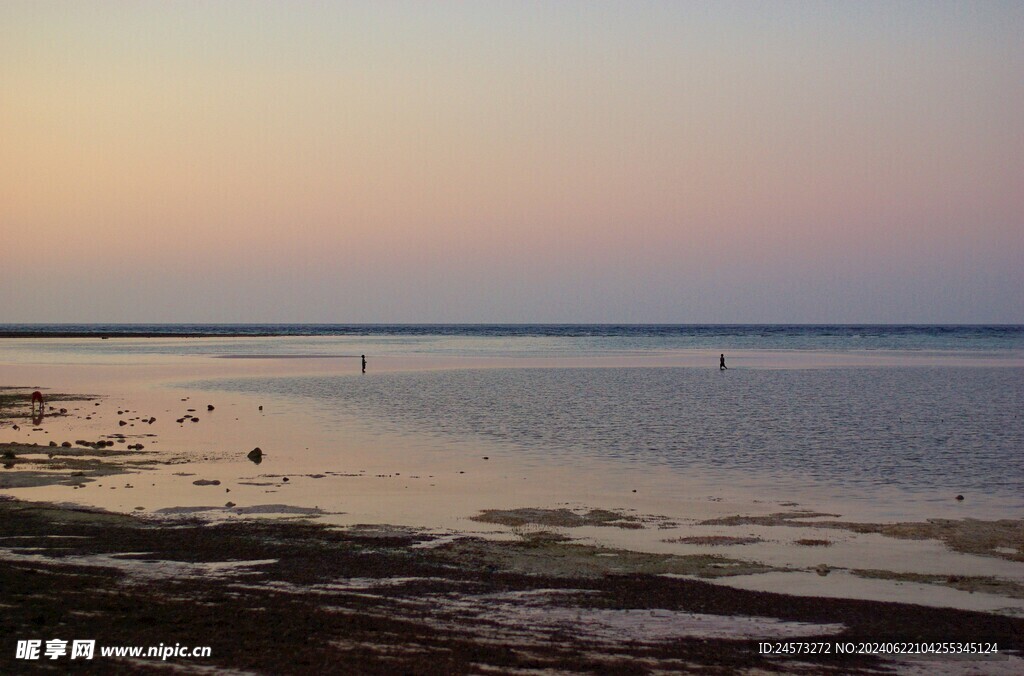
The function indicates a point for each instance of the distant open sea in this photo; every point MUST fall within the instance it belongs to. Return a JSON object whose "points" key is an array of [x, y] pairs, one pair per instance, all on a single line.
{"points": [[650, 336]]}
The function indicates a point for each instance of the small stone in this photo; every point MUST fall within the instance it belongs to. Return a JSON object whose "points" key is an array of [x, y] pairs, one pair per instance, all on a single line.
{"points": [[53, 443], [229, 504], [206, 482], [209, 407], [284, 479], [121, 423], [960, 497], [66, 444]]}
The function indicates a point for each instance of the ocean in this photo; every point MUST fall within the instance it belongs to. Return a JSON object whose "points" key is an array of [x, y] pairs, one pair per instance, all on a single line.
{"points": [[870, 412]]}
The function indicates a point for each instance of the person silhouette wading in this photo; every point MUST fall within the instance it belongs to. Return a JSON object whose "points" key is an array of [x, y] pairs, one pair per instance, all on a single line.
{"points": [[721, 364], [364, 363]]}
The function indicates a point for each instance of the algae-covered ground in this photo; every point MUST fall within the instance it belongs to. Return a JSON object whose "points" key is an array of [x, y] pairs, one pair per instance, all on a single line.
{"points": [[286, 597]]}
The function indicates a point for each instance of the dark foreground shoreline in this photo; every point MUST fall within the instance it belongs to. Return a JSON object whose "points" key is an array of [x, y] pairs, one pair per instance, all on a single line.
{"points": [[298, 597]]}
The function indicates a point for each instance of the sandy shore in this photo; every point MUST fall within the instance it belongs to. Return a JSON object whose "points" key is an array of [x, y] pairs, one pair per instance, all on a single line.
{"points": [[287, 595]]}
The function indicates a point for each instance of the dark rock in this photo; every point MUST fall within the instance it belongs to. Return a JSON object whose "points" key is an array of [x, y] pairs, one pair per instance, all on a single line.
{"points": [[209, 407], [959, 497], [206, 482], [121, 423], [256, 455], [66, 444], [229, 504]]}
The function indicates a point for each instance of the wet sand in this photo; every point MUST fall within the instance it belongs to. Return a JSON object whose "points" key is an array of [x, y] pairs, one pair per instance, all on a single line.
{"points": [[579, 587]]}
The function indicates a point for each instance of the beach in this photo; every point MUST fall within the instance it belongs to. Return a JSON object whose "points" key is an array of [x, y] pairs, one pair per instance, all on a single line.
{"points": [[376, 533]]}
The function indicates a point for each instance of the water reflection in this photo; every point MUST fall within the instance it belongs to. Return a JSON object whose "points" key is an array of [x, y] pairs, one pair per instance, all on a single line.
{"points": [[920, 429], [38, 408]]}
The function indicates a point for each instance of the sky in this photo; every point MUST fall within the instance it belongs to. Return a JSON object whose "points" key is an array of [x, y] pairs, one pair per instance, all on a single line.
{"points": [[558, 161]]}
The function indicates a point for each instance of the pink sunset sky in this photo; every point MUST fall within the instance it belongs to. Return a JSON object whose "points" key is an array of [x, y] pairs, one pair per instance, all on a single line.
{"points": [[511, 162]]}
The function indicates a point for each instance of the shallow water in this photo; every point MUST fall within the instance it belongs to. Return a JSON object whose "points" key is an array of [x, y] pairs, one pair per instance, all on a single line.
{"points": [[927, 431], [893, 430]]}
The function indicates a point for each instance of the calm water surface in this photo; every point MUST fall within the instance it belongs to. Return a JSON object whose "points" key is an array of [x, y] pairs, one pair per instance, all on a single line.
{"points": [[934, 411], [921, 430]]}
